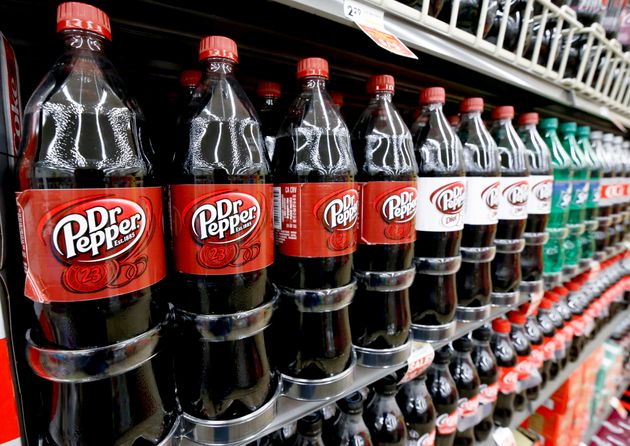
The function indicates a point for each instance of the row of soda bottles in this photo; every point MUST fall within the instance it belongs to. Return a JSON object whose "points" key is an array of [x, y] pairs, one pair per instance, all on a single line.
{"points": [[478, 383], [91, 221]]}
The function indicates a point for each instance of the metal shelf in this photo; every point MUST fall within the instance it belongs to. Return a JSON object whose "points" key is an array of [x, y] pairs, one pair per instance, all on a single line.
{"points": [[554, 385], [429, 35], [290, 410]]}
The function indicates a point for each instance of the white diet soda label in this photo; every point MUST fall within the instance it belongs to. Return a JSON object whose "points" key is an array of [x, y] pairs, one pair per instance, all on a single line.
{"points": [[440, 204], [540, 191], [513, 195], [482, 200]]}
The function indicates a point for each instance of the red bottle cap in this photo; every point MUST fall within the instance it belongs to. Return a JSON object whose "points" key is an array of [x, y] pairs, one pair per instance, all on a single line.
{"points": [[572, 286], [554, 297], [74, 15], [218, 46], [313, 66], [503, 112], [189, 78], [561, 291], [546, 304], [432, 95], [524, 308], [501, 325], [337, 98], [528, 118], [517, 318], [381, 82], [471, 105], [266, 88], [453, 120]]}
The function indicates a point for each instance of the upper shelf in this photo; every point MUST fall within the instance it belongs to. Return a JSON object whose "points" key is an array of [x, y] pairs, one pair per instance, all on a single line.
{"points": [[592, 78]]}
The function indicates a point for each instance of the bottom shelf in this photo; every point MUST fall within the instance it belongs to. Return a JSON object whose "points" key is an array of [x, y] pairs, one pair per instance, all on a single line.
{"points": [[609, 408], [553, 385]]}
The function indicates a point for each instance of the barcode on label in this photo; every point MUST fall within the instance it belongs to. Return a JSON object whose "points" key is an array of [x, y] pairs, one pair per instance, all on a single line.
{"points": [[277, 208]]}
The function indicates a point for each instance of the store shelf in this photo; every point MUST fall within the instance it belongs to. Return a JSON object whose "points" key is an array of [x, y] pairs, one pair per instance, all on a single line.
{"points": [[554, 385], [445, 41], [290, 410]]}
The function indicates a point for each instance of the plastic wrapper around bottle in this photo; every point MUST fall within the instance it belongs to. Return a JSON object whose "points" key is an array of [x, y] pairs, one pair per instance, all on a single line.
{"points": [[314, 173], [91, 224], [439, 224], [387, 170]]}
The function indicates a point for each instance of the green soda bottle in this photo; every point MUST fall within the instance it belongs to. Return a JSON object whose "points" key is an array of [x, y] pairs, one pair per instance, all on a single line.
{"points": [[577, 209], [592, 202], [560, 201]]}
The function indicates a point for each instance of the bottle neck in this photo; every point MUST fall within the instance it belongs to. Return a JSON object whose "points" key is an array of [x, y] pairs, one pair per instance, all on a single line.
{"points": [[383, 96], [216, 67], [78, 39], [434, 107], [313, 83]]}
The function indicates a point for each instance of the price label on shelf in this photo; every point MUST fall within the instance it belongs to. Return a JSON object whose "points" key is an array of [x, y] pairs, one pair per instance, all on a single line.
{"points": [[419, 360], [371, 21], [503, 437]]}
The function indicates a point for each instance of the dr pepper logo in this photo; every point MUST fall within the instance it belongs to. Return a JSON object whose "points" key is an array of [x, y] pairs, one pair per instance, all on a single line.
{"points": [[543, 190], [399, 206], [516, 194], [490, 196], [449, 200], [225, 218], [105, 243], [339, 212], [221, 229], [388, 212], [98, 230]]}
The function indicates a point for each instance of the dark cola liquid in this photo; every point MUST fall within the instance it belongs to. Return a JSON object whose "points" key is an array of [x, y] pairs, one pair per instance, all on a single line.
{"points": [[548, 331], [535, 337], [323, 156], [383, 151], [417, 406], [506, 357], [467, 382], [474, 284], [383, 417], [434, 299], [231, 144], [487, 370], [68, 146], [506, 267], [444, 395], [532, 255], [523, 350]]}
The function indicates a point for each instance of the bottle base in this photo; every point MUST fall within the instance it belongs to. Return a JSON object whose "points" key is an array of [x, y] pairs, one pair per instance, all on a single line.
{"points": [[535, 290], [239, 430], [383, 358], [569, 272], [433, 333], [552, 280], [319, 389], [505, 299], [472, 314]]}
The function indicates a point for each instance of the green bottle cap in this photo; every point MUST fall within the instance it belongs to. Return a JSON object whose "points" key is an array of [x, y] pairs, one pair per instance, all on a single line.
{"points": [[568, 127], [549, 123], [583, 131]]}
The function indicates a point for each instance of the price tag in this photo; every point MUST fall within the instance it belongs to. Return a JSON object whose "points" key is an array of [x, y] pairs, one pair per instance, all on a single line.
{"points": [[372, 22], [419, 360], [503, 436]]}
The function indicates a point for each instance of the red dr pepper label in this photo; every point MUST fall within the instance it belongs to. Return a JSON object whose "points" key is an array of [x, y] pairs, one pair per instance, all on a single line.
{"points": [[221, 228], [84, 244], [316, 219], [388, 212]]}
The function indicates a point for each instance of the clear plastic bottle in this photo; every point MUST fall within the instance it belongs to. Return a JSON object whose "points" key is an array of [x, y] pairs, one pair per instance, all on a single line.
{"points": [[439, 222], [418, 410], [560, 201], [349, 428], [592, 203], [445, 397], [481, 158], [488, 372], [504, 352], [383, 416], [513, 196], [270, 112], [539, 202], [467, 381], [576, 242], [309, 431], [85, 154], [221, 179]]}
